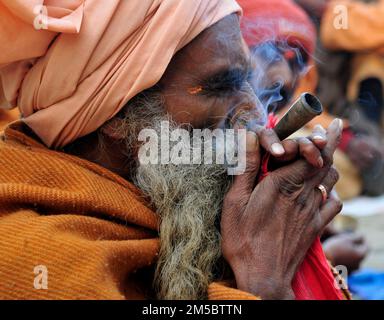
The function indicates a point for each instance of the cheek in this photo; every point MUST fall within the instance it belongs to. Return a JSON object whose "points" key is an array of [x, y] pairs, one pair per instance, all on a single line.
{"points": [[199, 111]]}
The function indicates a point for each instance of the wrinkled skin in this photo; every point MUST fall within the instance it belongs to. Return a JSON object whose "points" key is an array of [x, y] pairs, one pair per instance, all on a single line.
{"points": [[267, 229], [216, 61], [340, 249], [220, 49]]}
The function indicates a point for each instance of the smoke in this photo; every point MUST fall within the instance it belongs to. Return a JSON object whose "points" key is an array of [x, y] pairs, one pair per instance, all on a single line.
{"points": [[278, 61], [264, 57]]}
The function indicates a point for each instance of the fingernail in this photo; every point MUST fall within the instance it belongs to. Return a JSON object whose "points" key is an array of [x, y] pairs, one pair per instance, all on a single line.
{"points": [[320, 128], [277, 149], [320, 162], [319, 138], [337, 124], [340, 124]]}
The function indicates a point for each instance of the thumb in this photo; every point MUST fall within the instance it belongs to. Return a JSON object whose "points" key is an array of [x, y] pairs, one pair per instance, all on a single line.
{"points": [[246, 181]]}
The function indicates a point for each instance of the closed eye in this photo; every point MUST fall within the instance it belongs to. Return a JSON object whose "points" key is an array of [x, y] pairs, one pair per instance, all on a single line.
{"points": [[226, 82]]}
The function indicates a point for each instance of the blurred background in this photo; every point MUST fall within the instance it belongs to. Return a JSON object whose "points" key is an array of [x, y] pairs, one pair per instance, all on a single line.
{"points": [[349, 58], [334, 50]]}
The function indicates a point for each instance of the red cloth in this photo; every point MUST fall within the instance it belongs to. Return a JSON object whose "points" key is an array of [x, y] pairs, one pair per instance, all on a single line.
{"points": [[346, 138], [277, 20], [314, 279]]}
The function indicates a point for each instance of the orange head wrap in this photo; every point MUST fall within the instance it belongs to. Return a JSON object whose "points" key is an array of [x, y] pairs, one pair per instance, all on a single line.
{"points": [[72, 65]]}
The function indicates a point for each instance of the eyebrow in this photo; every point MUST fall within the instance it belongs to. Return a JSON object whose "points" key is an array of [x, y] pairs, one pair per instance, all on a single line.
{"points": [[231, 78]]}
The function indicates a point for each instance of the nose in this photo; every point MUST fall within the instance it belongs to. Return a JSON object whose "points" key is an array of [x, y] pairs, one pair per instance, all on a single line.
{"points": [[248, 109]]}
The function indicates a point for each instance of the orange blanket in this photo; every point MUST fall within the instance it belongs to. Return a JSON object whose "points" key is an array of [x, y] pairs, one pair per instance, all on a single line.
{"points": [[363, 29], [86, 225]]}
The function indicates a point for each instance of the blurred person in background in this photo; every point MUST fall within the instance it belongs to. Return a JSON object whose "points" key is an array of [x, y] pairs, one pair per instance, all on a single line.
{"points": [[282, 40], [350, 69], [362, 37]]}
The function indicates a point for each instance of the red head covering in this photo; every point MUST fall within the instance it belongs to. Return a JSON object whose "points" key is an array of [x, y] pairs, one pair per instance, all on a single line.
{"points": [[277, 20]]}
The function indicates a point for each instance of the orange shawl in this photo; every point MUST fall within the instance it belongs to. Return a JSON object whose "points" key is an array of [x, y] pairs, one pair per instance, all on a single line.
{"points": [[86, 225]]}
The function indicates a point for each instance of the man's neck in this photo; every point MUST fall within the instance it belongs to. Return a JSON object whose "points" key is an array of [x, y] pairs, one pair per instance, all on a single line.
{"points": [[103, 151]]}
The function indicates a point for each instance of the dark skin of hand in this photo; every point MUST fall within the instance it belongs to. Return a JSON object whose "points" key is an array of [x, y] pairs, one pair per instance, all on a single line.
{"points": [[266, 230], [347, 249], [363, 151]]}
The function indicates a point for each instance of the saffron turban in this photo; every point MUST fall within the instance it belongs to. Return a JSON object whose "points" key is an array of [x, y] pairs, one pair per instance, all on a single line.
{"points": [[72, 65], [277, 20]]}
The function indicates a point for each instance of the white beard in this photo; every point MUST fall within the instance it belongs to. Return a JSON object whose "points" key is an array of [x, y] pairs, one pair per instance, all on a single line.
{"points": [[188, 199]]}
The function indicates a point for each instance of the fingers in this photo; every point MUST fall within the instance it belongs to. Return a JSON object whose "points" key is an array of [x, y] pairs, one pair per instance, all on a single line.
{"points": [[300, 171], [294, 174], [291, 148], [303, 147], [244, 183], [319, 136], [334, 132], [310, 152], [328, 182], [270, 141], [329, 211], [333, 205], [303, 170]]}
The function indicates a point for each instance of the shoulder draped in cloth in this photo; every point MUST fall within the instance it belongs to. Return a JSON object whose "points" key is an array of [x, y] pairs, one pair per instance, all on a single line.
{"points": [[87, 226]]}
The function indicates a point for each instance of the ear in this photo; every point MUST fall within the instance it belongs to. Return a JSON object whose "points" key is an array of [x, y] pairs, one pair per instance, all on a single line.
{"points": [[112, 129]]}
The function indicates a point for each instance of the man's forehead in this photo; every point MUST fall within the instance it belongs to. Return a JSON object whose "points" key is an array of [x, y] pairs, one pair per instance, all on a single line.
{"points": [[223, 40], [219, 46]]}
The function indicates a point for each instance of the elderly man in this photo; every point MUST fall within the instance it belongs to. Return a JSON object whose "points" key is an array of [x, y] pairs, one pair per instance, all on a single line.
{"points": [[78, 207]]}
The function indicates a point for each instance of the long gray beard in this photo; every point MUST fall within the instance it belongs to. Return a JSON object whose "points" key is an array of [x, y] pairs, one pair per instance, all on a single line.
{"points": [[188, 199]]}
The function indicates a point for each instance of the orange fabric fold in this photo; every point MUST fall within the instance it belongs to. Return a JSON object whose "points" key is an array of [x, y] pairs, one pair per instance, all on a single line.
{"points": [[87, 226], [90, 57], [364, 26], [7, 117]]}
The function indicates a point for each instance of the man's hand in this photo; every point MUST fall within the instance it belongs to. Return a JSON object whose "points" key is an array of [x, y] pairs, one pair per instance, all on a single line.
{"points": [[288, 150], [347, 249], [268, 229], [363, 151]]}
